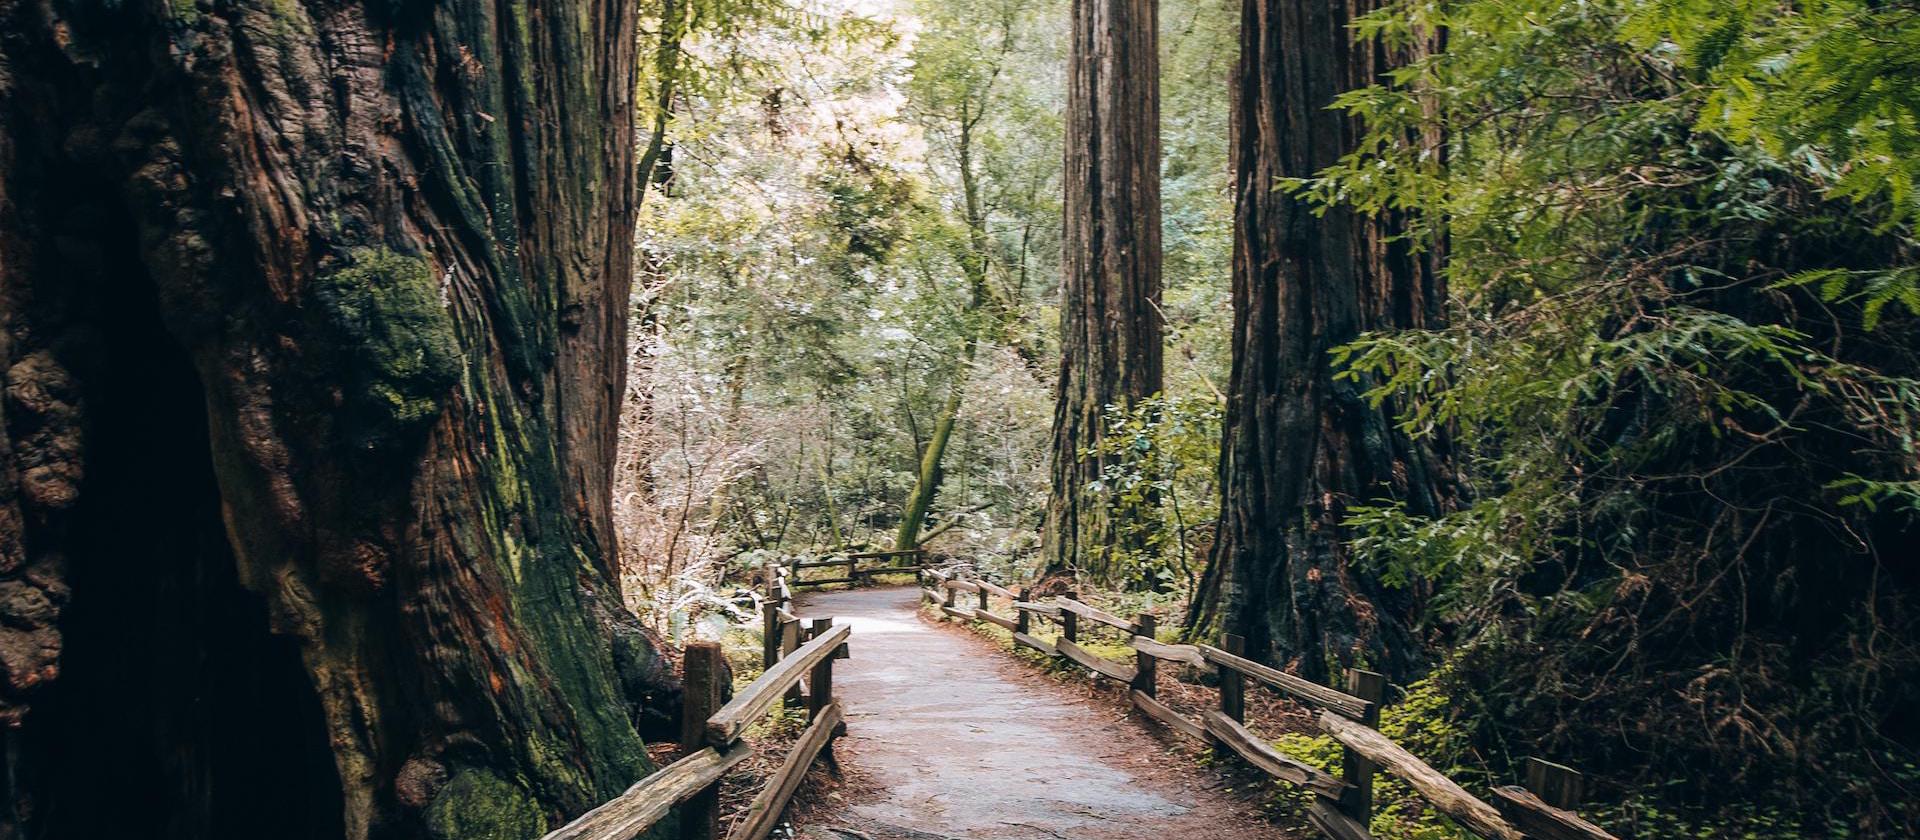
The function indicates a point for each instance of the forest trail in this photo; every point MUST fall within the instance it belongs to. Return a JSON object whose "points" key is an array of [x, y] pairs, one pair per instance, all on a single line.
{"points": [[953, 739]]}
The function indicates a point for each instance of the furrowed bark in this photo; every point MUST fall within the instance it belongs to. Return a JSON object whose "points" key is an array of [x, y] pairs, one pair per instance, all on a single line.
{"points": [[1299, 448], [1110, 331], [314, 334]]}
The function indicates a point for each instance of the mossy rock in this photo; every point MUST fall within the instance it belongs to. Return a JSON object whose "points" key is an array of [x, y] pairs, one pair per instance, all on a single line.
{"points": [[477, 805]]}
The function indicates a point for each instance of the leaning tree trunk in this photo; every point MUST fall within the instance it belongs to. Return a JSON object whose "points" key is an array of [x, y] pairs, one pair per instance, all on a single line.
{"points": [[1300, 449], [1110, 332], [312, 320], [986, 316]]}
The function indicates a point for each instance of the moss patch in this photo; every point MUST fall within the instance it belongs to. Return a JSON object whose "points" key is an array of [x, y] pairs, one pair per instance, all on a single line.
{"points": [[394, 338], [477, 805]]}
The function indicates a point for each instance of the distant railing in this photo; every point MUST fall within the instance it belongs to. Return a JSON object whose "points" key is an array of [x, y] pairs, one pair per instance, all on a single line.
{"points": [[1343, 804], [711, 735], [860, 566]]}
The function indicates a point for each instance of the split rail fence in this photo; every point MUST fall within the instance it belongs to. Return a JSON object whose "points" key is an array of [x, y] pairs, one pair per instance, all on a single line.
{"points": [[860, 566], [800, 674], [1343, 803]]}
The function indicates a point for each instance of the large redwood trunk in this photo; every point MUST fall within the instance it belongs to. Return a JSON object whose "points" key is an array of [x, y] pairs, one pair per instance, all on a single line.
{"points": [[312, 321], [1110, 331], [1301, 449]]}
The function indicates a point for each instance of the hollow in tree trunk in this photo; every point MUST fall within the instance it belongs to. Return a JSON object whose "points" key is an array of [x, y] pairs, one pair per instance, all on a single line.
{"points": [[312, 319], [1299, 448], [1110, 331]]}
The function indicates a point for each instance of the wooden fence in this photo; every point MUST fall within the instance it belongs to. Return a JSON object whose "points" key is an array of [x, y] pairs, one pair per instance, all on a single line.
{"points": [[710, 734], [1343, 803], [908, 561]]}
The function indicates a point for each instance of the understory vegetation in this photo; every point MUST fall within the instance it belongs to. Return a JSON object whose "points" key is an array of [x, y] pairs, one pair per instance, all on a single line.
{"points": [[1677, 378], [1680, 377], [856, 242]]}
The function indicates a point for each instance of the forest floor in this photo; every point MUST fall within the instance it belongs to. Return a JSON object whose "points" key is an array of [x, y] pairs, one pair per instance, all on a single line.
{"points": [[950, 737]]}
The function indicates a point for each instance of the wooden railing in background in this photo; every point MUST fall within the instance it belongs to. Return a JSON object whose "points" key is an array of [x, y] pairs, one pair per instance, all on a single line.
{"points": [[908, 561], [1343, 804], [710, 734]]}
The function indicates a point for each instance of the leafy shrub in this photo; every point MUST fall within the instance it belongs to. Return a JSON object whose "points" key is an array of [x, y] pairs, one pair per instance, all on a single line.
{"points": [[1681, 380], [1160, 486]]}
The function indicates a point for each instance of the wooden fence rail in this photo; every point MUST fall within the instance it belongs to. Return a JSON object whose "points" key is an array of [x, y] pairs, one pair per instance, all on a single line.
{"points": [[910, 561], [710, 733], [1343, 803]]}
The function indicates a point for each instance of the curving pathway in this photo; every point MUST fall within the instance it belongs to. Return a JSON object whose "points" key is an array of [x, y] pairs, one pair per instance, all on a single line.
{"points": [[960, 741]]}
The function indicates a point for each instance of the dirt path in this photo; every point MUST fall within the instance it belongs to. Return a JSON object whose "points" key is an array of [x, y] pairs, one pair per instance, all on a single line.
{"points": [[954, 739]]}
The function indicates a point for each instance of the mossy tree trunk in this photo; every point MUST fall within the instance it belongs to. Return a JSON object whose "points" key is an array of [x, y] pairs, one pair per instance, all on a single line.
{"points": [[987, 315], [931, 473], [313, 323], [1110, 327], [1299, 448]]}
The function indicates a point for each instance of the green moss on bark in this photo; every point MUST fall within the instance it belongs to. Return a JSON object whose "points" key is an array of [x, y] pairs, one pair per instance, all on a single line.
{"points": [[391, 330], [477, 805]]}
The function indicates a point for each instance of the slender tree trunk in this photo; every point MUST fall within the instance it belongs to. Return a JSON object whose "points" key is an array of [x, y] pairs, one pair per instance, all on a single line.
{"points": [[656, 157], [1110, 331], [1300, 449], [931, 473], [986, 314], [313, 320]]}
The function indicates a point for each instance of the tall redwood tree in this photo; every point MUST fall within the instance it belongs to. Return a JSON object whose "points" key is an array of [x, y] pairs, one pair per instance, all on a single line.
{"points": [[312, 319], [1110, 330], [1299, 448]]}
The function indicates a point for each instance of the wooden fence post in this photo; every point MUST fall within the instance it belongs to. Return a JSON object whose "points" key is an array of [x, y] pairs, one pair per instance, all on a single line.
{"points": [[1145, 668], [705, 667], [1356, 769], [1020, 615], [820, 682], [790, 642], [1556, 784], [983, 599], [770, 618], [1070, 620], [820, 691], [949, 591], [1233, 699]]}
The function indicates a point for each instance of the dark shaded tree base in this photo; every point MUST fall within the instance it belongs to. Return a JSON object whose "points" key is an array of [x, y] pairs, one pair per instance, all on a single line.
{"points": [[175, 713], [313, 319]]}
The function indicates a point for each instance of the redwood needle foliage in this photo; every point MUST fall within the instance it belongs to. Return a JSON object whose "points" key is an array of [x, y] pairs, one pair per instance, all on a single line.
{"points": [[1680, 375]]}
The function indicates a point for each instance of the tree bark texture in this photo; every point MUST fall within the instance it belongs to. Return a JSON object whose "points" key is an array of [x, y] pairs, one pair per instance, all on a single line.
{"points": [[1300, 449], [312, 318], [1110, 328]]}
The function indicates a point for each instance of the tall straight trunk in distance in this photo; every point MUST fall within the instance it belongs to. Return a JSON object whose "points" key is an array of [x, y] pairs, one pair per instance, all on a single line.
{"points": [[1110, 330], [313, 323], [1300, 449]]}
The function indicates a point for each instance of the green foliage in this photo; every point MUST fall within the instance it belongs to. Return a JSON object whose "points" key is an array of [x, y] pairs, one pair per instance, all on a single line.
{"points": [[1425, 721], [1159, 482], [1680, 383], [1197, 47], [877, 188], [874, 191], [1870, 290], [1833, 85]]}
